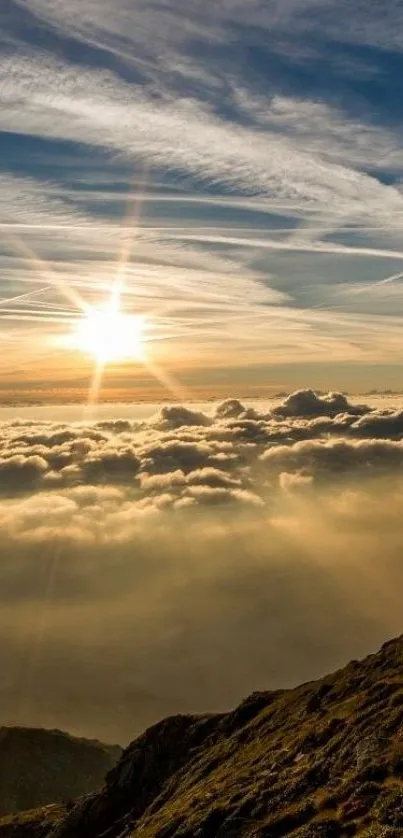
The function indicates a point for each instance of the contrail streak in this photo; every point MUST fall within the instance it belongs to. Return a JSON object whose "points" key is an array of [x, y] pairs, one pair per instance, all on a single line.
{"points": [[43, 270], [26, 296], [389, 279]]}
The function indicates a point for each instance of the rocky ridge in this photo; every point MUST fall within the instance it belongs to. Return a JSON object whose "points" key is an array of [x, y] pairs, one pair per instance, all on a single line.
{"points": [[324, 760]]}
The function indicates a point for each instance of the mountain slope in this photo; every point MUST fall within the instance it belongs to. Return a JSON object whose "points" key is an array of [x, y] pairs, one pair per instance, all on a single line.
{"points": [[43, 766], [320, 761]]}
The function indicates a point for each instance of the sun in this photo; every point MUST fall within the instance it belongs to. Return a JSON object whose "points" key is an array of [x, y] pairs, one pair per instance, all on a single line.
{"points": [[110, 335]]}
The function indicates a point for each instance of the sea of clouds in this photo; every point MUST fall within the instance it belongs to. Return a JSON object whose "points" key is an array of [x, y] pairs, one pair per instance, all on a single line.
{"points": [[179, 563]]}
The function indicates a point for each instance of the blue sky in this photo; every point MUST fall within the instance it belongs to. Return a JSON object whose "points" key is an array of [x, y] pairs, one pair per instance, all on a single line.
{"points": [[237, 163]]}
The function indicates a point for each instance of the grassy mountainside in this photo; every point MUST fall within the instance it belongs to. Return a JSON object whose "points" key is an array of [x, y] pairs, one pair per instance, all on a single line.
{"points": [[46, 766], [324, 760]]}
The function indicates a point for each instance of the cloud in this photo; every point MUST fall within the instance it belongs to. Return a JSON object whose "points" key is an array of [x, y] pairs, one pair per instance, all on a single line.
{"points": [[199, 282], [183, 23], [179, 563], [308, 403], [177, 417], [181, 447], [291, 482], [384, 424], [326, 128], [259, 148], [21, 472], [148, 569], [324, 459], [101, 110], [232, 409]]}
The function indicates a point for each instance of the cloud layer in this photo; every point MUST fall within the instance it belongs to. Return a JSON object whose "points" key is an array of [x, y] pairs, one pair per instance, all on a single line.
{"points": [[236, 449], [179, 563]]}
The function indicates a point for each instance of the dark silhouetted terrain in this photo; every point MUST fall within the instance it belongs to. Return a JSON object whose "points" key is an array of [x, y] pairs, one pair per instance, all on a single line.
{"points": [[319, 761], [46, 766]]}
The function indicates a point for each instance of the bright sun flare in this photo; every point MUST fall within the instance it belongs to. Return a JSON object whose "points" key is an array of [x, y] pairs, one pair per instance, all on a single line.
{"points": [[109, 335]]}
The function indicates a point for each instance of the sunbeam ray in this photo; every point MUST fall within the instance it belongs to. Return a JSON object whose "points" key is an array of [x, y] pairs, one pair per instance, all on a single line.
{"points": [[132, 223], [168, 380], [114, 306], [93, 391]]}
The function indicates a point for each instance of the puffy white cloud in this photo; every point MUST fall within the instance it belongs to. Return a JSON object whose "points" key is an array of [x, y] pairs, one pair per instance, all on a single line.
{"points": [[213, 477], [19, 472], [324, 458], [230, 409], [309, 403], [171, 417], [235, 447], [380, 424], [293, 481]]}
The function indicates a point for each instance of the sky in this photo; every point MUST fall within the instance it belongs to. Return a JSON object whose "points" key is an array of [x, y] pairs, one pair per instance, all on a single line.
{"points": [[201, 313], [234, 168]]}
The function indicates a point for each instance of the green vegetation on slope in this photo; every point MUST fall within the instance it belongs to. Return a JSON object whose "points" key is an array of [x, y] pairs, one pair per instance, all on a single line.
{"points": [[324, 760]]}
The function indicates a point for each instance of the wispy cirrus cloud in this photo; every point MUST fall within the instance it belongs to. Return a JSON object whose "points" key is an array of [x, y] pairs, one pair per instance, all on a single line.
{"points": [[174, 20], [184, 136], [268, 155]]}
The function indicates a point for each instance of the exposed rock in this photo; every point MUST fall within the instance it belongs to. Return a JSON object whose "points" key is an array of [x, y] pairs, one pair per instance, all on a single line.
{"points": [[323, 760]]}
